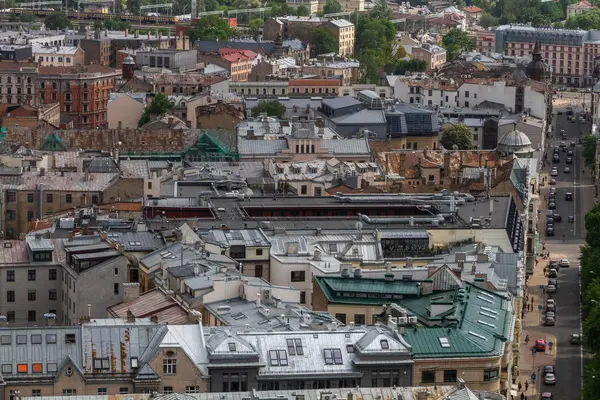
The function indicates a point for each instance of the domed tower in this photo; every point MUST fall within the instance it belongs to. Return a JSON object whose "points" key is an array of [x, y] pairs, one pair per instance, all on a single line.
{"points": [[536, 69], [128, 67]]}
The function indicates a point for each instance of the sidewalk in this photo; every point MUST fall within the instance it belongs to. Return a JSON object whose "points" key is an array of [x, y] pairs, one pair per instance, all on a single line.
{"points": [[532, 321]]}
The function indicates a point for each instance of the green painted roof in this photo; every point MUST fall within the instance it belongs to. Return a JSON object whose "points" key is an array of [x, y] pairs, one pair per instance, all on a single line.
{"points": [[484, 324], [365, 291]]}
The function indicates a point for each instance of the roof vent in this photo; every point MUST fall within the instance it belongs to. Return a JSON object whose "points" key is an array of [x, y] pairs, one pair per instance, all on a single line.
{"points": [[358, 273], [345, 272]]}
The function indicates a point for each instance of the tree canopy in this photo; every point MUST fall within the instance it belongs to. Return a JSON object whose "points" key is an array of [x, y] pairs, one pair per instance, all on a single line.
{"points": [[272, 108], [57, 21], [211, 27], [375, 44], [455, 42], [457, 137], [302, 11], [159, 106], [322, 41], [589, 150], [586, 21], [27, 17], [255, 26], [332, 6]]}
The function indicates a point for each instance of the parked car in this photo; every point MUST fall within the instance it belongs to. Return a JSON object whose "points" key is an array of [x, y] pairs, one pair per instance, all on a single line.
{"points": [[554, 172], [556, 158], [575, 338], [551, 289], [553, 181], [550, 314], [563, 133], [564, 263], [563, 146], [567, 170], [573, 144], [553, 273], [550, 222], [549, 379], [569, 160], [556, 217], [549, 321], [570, 153], [547, 396], [553, 282], [555, 150], [549, 369], [552, 206], [571, 218], [549, 231], [540, 345], [569, 196]]}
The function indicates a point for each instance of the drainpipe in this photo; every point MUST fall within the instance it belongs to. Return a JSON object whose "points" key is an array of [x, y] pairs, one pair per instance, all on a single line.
{"points": [[41, 200]]}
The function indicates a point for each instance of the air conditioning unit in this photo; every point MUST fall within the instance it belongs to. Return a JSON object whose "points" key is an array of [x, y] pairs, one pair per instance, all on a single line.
{"points": [[412, 320], [402, 320], [267, 294], [393, 320]]}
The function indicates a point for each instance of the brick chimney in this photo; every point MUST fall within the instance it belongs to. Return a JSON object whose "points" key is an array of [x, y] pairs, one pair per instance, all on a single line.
{"points": [[131, 291]]}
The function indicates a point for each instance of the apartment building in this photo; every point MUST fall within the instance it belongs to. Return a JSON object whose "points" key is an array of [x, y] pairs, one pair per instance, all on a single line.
{"points": [[18, 82], [58, 56], [83, 92], [347, 5], [343, 32], [485, 41], [434, 56], [312, 5], [238, 62], [578, 8], [175, 60]]}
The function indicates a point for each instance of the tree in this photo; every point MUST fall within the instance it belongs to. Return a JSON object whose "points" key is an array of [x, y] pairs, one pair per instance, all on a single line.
{"points": [[458, 135], [381, 10], [589, 151], [57, 21], [591, 383], [211, 5], [592, 227], [159, 106], [403, 67], [27, 17], [486, 20], [255, 26], [211, 27], [587, 21], [272, 108], [13, 18], [302, 11], [134, 6], [456, 41], [322, 41], [332, 6]]}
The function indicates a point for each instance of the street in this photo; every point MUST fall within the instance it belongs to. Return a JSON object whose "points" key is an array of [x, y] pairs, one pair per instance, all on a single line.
{"points": [[569, 236]]}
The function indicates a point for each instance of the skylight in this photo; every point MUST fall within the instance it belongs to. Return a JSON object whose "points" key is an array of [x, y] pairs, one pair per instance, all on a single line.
{"points": [[477, 335], [384, 344], [485, 299], [488, 315], [333, 356], [488, 310], [444, 342], [486, 323]]}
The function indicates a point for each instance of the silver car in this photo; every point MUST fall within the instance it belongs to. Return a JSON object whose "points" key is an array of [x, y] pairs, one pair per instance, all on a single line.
{"points": [[549, 379], [551, 289]]}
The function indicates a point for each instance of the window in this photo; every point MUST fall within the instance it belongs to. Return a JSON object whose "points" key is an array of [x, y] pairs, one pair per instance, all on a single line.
{"points": [[30, 197], [95, 199], [232, 346], [332, 356], [36, 393], [70, 338], [21, 339], [490, 374], [134, 362], [31, 275], [10, 275], [384, 344], [466, 94], [51, 367], [37, 368], [7, 368], [192, 389], [29, 215], [51, 339], [303, 189], [101, 391], [69, 392], [294, 347], [52, 274], [341, 318], [298, 276], [31, 316], [10, 316], [169, 366], [123, 390], [69, 198], [278, 358], [49, 197], [318, 192], [259, 252], [303, 297], [359, 319], [11, 197], [36, 339], [5, 339], [22, 368], [428, 376], [31, 295], [258, 271], [168, 389], [101, 364], [10, 296], [449, 375], [116, 288]]}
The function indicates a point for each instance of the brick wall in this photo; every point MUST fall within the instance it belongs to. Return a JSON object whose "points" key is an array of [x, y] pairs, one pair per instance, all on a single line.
{"points": [[319, 302]]}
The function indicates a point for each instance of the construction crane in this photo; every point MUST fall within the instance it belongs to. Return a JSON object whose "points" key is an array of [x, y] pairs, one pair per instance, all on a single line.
{"points": [[39, 4]]}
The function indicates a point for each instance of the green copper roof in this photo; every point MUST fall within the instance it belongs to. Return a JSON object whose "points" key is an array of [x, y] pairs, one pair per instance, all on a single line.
{"points": [[53, 143], [365, 291]]}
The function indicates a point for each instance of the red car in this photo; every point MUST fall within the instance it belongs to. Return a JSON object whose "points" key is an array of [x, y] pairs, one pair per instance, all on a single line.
{"points": [[540, 345]]}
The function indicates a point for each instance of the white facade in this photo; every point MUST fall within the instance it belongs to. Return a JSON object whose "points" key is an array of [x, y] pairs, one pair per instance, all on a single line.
{"points": [[427, 95]]}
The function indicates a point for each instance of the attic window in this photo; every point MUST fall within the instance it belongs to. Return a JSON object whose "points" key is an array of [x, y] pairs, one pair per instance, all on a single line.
{"points": [[7, 245], [333, 247], [384, 344], [350, 348], [134, 362], [51, 367], [232, 346], [101, 364], [444, 342], [332, 356], [278, 358], [6, 339], [70, 338], [294, 347]]}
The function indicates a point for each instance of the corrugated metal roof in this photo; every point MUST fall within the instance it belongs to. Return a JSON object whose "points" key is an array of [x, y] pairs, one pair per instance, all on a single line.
{"points": [[243, 237], [362, 117], [260, 147], [39, 243], [347, 146]]}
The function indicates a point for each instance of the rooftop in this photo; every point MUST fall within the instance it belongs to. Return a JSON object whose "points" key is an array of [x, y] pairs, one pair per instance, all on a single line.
{"points": [[354, 290], [153, 303]]}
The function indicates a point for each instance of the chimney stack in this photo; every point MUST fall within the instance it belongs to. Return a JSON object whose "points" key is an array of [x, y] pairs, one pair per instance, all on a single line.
{"points": [[130, 317]]}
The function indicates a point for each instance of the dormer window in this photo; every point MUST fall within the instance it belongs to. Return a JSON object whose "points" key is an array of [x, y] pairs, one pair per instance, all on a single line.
{"points": [[384, 344], [232, 347]]}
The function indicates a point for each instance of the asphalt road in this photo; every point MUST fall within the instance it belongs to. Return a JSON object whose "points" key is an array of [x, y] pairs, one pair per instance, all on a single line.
{"points": [[568, 357]]}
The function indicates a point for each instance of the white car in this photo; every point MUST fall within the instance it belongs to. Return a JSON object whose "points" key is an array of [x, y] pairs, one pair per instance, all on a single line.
{"points": [[564, 263], [554, 172]]}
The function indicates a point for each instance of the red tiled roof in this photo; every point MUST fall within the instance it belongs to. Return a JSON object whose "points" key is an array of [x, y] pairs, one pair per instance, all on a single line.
{"points": [[472, 9], [443, 21], [584, 4], [92, 68], [233, 55], [24, 111], [15, 65]]}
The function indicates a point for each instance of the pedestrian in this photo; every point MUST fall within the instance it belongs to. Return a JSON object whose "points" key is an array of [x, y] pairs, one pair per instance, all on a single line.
{"points": [[522, 396], [526, 385], [526, 339], [544, 290]]}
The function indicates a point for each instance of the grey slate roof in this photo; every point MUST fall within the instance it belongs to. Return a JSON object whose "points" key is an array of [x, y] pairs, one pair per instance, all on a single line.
{"points": [[347, 146], [341, 102], [102, 164], [137, 241], [260, 147], [363, 117]]}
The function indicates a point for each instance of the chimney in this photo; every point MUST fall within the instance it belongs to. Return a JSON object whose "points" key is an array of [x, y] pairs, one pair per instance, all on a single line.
{"points": [[85, 319], [473, 268], [120, 125], [136, 34], [170, 120], [160, 36], [154, 318], [131, 291], [258, 303], [130, 317], [106, 33]]}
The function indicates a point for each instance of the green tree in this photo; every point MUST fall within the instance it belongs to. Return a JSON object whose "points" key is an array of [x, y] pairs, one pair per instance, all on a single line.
{"points": [[134, 6], [332, 6], [587, 21], [381, 10], [157, 108], [486, 20], [302, 11], [458, 135], [589, 150], [455, 42], [211, 27], [211, 5], [403, 67], [322, 41], [590, 270], [13, 18], [553, 10], [272, 108], [591, 381], [592, 227], [255, 26], [57, 20], [27, 17], [370, 65]]}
